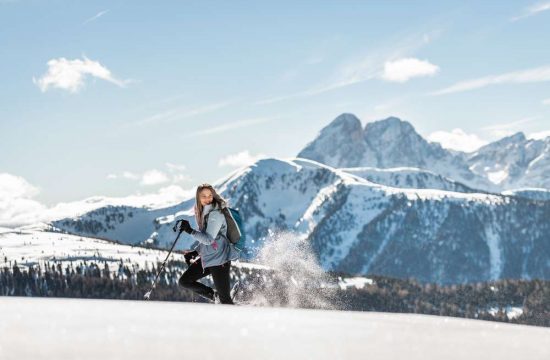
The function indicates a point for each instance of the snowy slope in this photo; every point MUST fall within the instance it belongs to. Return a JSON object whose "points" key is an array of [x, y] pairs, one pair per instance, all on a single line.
{"points": [[31, 247], [412, 178], [49, 328]]}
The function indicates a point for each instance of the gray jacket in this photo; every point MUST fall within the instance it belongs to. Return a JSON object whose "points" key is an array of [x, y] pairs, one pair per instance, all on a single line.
{"points": [[212, 244]]}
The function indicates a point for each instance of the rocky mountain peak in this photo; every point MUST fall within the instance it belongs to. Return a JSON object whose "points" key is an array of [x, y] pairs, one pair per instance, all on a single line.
{"points": [[344, 122], [389, 128]]}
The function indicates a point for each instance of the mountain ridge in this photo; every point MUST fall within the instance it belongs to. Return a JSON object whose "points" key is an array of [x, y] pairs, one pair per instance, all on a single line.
{"points": [[513, 161]]}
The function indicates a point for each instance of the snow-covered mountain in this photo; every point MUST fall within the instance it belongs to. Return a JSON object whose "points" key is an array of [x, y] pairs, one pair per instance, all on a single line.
{"points": [[340, 144], [509, 163], [387, 143], [410, 178], [359, 227], [127, 224], [514, 162], [378, 200]]}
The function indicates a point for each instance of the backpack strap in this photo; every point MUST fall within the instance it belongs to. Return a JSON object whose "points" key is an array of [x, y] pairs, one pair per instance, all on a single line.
{"points": [[206, 218]]}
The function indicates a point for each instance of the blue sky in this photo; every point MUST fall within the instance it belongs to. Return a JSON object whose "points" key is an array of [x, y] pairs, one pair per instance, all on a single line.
{"points": [[121, 98]]}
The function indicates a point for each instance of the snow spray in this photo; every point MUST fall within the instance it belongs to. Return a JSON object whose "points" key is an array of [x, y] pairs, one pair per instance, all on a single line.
{"points": [[294, 278]]}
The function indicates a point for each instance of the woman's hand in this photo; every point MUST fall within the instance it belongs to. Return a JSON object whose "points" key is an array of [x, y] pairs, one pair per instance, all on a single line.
{"points": [[189, 256], [185, 226]]}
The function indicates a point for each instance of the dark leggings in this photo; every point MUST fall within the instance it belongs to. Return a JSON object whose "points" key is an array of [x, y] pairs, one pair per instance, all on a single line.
{"points": [[220, 275]]}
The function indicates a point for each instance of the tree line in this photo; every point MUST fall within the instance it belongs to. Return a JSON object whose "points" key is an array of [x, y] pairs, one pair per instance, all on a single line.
{"points": [[485, 300]]}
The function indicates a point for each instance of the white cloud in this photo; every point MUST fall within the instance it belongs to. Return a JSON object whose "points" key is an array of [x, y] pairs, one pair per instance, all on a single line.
{"points": [[225, 127], [16, 201], [533, 10], [165, 196], [540, 74], [12, 186], [18, 208], [403, 70], [372, 65], [243, 158], [539, 135], [71, 74], [125, 175], [154, 177], [177, 173], [96, 16], [363, 68], [546, 101], [457, 139], [130, 175]]}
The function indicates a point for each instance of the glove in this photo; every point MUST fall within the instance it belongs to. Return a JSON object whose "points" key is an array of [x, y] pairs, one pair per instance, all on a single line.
{"points": [[185, 226], [190, 255]]}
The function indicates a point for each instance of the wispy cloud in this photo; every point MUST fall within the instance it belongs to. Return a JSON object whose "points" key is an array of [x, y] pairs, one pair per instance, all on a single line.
{"points": [[363, 68], [539, 74], [175, 167], [457, 139], [181, 113], [125, 175], [508, 128], [96, 16], [533, 10], [226, 127], [403, 70], [154, 176], [243, 158], [70, 74], [546, 101], [372, 65]]}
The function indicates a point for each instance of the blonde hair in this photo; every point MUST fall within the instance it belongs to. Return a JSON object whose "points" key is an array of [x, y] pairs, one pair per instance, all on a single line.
{"points": [[217, 201]]}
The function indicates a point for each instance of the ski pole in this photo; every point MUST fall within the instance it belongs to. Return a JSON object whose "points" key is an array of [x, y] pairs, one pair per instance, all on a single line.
{"points": [[148, 293]]}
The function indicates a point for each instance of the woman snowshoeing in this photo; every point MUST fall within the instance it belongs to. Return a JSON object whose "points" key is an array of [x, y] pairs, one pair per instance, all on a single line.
{"points": [[215, 252]]}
